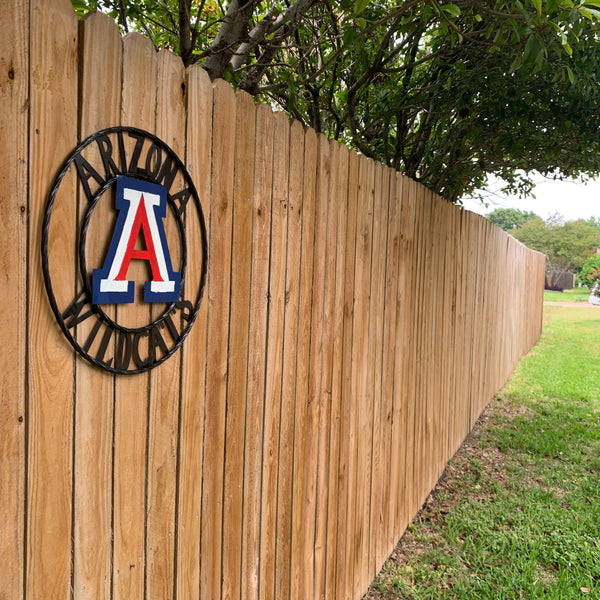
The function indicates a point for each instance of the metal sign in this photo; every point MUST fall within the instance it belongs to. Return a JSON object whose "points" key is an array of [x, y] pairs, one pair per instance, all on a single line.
{"points": [[126, 306]]}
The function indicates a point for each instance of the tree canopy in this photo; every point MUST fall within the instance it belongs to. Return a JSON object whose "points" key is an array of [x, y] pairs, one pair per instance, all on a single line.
{"points": [[567, 245], [510, 218], [446, 92]]}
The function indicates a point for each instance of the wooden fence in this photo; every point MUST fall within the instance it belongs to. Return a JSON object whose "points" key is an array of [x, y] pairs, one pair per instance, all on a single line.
{"points": [[353, 328]]}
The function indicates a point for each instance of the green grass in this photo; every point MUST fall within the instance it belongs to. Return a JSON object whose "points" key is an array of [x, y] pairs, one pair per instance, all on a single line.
{"points": [[517, 514], [575, 295]]}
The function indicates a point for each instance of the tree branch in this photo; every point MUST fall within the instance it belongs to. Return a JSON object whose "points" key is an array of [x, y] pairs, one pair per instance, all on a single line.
{"points": [[229, 37]]}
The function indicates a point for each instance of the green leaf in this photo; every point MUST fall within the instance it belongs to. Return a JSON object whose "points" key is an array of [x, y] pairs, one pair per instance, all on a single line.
{"points": [[537, 4], [570, 74], [552, 5], [360, 5], [348, 36], [532, 50], [516, 64], [590, 13], [452, 10], [360, 22]]}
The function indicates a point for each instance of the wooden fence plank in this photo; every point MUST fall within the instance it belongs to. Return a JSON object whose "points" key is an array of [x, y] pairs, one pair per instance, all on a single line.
{"points": [[327, 190], [364, 239], [379, 430], [218, 299], [193, 381], [451, 286], [290, 362], [14, 95], [390, 403], [416, 383], [336, 521], [427, 439], [416, 402], [239, 316], [312, 558], [471, 295], [373, 383], [165, 402], [373, 398], [259, 290], [100, 89], [52, 136], [315, 553], [476, 334], [403, 407], [131, 393], [438, 358], [275, 329], [448, 318], [301, 569], [468, 287], [348, 411]]}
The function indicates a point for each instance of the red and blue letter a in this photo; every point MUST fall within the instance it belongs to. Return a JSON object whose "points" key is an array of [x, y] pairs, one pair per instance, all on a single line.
{"points": [[142, 206]]}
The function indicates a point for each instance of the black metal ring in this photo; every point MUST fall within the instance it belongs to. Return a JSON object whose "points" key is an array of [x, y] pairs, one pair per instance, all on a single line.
{"points": [[82, 237]]}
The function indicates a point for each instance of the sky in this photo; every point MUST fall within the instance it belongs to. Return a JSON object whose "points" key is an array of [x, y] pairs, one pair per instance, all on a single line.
{"points": [[572, 200]]}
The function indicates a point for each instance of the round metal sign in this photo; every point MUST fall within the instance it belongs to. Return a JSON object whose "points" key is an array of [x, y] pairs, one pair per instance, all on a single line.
{"points": [[124, 250]]}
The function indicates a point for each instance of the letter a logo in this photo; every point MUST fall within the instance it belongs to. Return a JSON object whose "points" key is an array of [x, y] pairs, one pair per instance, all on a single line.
{"points": [[142, 206]]}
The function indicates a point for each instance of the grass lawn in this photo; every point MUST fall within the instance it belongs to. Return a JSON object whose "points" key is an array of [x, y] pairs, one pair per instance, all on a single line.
{"points": [[517, 512], [575, 295]]}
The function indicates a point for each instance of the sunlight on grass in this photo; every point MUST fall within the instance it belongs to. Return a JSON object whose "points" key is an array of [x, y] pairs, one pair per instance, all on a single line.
{"points": [[517, 513]]}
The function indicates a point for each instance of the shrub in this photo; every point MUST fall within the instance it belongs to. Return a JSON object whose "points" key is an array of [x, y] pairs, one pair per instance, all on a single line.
{"points": [[590, 271]]}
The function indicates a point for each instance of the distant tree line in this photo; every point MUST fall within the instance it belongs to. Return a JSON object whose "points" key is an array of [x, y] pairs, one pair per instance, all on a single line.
{"points": [[568, 245]]}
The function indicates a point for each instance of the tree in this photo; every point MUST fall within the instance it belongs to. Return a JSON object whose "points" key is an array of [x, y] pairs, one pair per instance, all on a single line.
{"points": [[567, 245], [446, 92], [593, 221], [510, 218]]}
